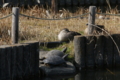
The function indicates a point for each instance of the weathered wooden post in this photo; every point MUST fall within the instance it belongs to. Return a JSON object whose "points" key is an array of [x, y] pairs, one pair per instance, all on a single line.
{"points": [[79, 48], [90, 44], [54, 6], [2, 62], [15, 25], [34, 57], [108, 52], [26, 60], [8, 61], [91, 19], [116, 52], [19, 61], [99, 51], [13, 62], [5, 62]]}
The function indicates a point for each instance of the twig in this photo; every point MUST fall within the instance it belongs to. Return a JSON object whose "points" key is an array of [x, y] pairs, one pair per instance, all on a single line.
{"points": [[110, 37]]}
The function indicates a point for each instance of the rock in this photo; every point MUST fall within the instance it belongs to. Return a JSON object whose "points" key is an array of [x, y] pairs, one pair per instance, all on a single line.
{"points": [[58, 71]]}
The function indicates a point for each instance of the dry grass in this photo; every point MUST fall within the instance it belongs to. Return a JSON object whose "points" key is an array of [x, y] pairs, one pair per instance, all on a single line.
{"points": [[47, 30]]}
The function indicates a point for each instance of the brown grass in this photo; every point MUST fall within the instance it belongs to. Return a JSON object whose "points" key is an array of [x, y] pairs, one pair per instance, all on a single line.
{"points": [[47, 30]]}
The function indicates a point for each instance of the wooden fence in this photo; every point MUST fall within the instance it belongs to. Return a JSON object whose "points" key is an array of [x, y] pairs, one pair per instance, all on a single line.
{"points": [[61, 2], [19, 60], [98, 51]]}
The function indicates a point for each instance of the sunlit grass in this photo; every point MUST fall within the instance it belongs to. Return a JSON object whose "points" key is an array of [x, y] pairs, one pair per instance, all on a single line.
{"points": [[47, 30]]}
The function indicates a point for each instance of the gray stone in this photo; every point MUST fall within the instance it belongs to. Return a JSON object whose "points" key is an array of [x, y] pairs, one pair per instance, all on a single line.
{"points": [[58, 71]]}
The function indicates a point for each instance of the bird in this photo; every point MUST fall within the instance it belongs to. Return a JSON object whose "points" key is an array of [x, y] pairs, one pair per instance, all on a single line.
{"points": [[66, 35], [97, 29]]}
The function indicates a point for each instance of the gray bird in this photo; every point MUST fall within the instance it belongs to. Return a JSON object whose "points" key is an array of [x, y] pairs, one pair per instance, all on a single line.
{"points": [[66, 35], [97, 30]]}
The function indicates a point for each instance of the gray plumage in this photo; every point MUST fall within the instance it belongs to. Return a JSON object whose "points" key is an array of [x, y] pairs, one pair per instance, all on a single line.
{"points": [[66, 35]]}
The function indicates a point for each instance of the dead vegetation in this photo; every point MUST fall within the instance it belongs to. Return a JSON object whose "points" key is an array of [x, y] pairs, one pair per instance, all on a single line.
{"points": [[47, 30]]}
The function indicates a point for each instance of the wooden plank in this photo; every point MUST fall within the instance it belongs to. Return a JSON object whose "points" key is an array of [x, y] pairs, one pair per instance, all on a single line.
{"points": [[34, 57], [26, 60], [99, 51], [2, 63], [8, 61], [13, 62], [108, 51], [19, 60], [116, 51], [90, 45], [74, 2], [79, 48], [68, 2]]}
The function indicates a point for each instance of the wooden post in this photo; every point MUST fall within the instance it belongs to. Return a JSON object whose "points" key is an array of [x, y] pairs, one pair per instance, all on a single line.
{"points": [[90, 44], [116, 51], [19, 61], [34, 57], [2, 63], [13, 62], [99, 51], [15, 25], [91, 19], [26, 60], [54, 6], [108, 52], [79, 48], [8, 61]]}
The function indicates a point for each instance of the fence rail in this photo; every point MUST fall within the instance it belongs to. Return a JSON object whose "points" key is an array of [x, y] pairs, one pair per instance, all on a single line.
{"points": [[61, 2]]}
